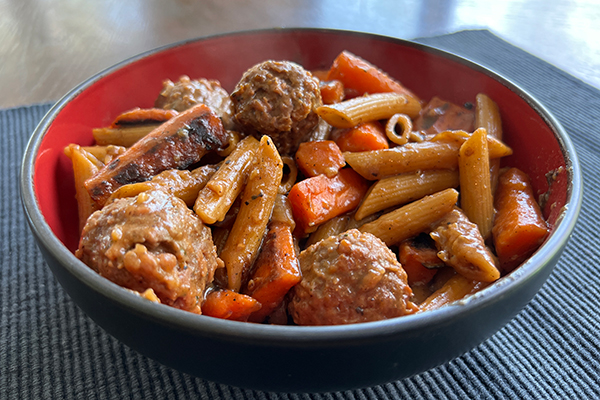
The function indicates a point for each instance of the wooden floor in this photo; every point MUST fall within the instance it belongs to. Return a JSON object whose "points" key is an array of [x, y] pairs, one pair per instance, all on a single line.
{"points": [[48, 47]]}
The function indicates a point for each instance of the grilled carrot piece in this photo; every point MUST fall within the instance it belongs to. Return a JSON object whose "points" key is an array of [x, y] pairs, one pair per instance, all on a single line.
{"points": [[177, 143]]}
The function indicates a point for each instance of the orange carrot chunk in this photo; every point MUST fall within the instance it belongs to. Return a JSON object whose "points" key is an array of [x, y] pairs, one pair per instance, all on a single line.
{"points": [[276, 270], [318, 199], [227, 304], [519, 227], [363, 137], [331, 91], [319, 157], [419, 259], [440, 115], [360, 76]]}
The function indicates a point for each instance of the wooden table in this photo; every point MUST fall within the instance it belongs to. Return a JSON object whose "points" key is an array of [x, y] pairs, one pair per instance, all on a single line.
{"points": [[48, 47]]}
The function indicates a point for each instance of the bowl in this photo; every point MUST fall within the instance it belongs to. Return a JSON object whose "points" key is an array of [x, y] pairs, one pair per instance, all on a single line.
{"points": [[294, 358]]}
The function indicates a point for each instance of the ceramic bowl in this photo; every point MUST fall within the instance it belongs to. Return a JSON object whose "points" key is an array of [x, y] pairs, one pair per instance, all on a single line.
{"points": [[294, 358]]}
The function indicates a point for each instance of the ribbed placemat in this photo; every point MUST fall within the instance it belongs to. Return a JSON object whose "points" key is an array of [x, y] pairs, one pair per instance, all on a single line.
{"points": [[50, 350]]}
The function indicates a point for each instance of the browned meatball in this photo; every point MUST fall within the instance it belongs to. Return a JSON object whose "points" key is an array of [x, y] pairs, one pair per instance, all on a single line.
{"points": [[186, 93], [349, 278], [277, 99], [152, 241]]}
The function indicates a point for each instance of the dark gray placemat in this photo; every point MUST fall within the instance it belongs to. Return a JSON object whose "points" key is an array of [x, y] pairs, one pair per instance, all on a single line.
{"points": [[50, 349]]}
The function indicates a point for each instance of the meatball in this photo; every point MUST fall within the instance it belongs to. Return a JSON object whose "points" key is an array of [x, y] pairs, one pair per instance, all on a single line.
{"points": [[277, 99], [152, 241], [349, 278], [186, 93]]}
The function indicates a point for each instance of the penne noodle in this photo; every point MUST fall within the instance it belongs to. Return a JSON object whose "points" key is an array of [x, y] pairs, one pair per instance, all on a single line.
{"points": [[329, 228], [404, 188], [183, 184], [290, 174], [441, 152], [461, 246], [83, 168], [125, 137], [282, 211], [476, 198], [233, 138], [378, 164], [215, 199], [350, 113], [105, 153], [404, 123], [455, 288], [258, 199], [487, 115], [497, 148], [321, 132], [413, 218]]}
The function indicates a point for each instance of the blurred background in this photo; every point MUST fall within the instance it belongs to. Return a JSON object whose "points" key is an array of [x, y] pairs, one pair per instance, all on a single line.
{"points": [[49, 46]]}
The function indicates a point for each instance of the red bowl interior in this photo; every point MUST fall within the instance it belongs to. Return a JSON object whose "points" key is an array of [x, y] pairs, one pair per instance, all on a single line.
{"points": [[426, 72]]}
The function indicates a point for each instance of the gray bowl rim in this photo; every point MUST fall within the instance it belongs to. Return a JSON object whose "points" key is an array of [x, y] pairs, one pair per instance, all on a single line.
{"points": [[299, 336]]}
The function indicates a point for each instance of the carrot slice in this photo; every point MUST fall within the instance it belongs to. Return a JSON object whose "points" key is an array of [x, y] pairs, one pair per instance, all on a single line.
{"points": [[227, 304], [419, 259], [331, 91], [519, 227], [319, 157], [276, 270], [318, 199], [360, 76], [363, 137]]}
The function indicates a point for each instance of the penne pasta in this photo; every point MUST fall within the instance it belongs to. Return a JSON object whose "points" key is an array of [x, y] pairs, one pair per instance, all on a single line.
{"points": [[282, 211], [349, 113], [404, 188], [328, 228], [378, 164], [180, 183], [105, 153], [413, 218], [496, 148], [441, 152], [258, 198], [215, 199], [476, 198], [487, 115], [461, 246], [455, 288], [290, 174], [233, 138], [83, 168], [404, 123], [125, 137]]}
